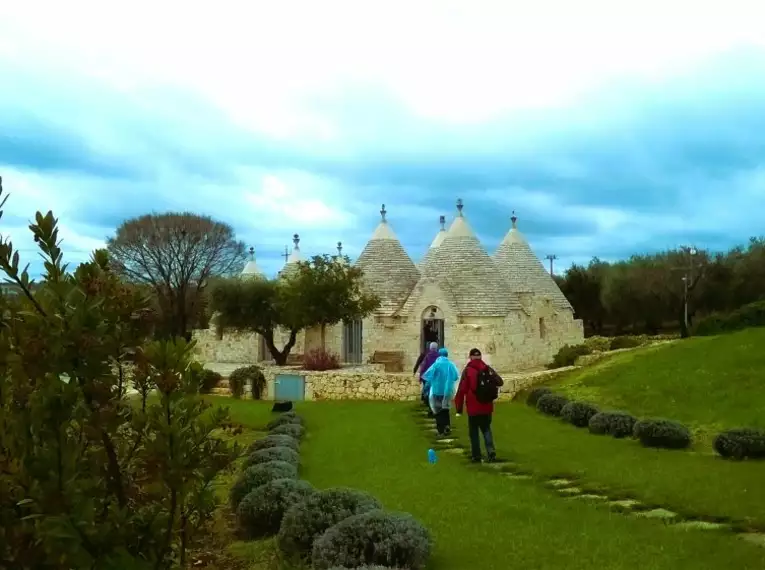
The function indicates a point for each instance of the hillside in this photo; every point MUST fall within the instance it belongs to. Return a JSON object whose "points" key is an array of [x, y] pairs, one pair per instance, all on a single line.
{"points": [[708, 383]]}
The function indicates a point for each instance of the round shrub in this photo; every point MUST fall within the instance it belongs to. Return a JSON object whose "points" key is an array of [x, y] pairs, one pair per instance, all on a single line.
{"points": [[286, 418], [537, 393], [666, 434], [615, 424], [309, 519], [376, 537], [206, 379], [292, 430], [578, 413], [741, 443], [568, 355], [286, 454], [619, 342], [551, 404], [261, 510], [257, 475], [275, 440], [245, 375]]}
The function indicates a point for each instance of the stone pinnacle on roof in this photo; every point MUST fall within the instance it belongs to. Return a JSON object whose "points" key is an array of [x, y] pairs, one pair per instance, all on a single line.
{"points": [[524, 270], [251, 268], [464, 270], [339, 249], [389, 272], [291, 265], [436, 241]]}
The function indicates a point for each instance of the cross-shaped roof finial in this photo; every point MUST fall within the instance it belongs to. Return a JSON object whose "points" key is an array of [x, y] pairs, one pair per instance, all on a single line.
{"points": [[252, 252], [340, 248], [514, 219], [296, 241], [442, 221], [460, 205], [383, 212]]}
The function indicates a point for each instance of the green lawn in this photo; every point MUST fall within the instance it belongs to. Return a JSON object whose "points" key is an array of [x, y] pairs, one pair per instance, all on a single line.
{"points": [[479, 519], [709, 383], [691, 483]]}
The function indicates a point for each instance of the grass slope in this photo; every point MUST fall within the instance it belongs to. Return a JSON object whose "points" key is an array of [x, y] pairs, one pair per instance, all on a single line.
{"points": [[479, 519], [708, 383]]}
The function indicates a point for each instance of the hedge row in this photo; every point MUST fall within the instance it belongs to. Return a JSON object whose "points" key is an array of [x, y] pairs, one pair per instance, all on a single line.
{"points": [[743, 443], [568, 354], [331, 528], [751, 315]]}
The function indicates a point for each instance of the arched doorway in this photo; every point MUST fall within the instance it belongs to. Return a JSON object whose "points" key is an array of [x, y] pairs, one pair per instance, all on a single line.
{"points": [[432, 327]]}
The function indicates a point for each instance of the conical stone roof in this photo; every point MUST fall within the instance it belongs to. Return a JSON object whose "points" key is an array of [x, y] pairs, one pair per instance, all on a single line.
{"points": [[389, 272], [251, 269], [291, 266], [466, 272], [440, 236], [524, 270]]}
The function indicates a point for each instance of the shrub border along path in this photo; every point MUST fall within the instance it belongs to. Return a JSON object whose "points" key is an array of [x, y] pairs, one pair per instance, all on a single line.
{"points": [[574, 489]]}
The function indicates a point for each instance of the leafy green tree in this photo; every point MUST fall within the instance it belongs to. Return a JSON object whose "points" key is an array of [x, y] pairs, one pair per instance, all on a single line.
{"points": [[330, 292], [323, 291], [91, 477]]}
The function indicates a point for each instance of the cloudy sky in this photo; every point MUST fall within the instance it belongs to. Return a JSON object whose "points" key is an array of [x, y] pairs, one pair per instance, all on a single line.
{"points": [[610, 127]]}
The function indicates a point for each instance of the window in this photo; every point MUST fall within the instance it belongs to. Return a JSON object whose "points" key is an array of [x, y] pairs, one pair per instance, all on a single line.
{"points": [[352, 342]]}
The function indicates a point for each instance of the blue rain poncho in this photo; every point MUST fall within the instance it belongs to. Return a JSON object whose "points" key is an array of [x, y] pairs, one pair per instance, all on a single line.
{"points": [[441, 377]]}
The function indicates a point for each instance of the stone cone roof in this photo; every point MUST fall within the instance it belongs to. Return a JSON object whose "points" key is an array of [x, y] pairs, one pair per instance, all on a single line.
{"points": [[525, 271], [440, 236], [251, 269], [295, 256], [389, 272], [465, 271]]}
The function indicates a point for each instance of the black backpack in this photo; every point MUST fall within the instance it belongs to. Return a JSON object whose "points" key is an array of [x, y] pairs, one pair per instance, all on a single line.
{"points": [[487, 385]]}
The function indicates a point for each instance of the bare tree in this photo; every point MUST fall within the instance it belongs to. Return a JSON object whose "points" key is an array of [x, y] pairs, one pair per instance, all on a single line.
{"points": [[175, 254]]}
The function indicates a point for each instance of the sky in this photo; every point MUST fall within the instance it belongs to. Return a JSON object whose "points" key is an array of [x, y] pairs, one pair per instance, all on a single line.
{"points": [[609, 127]]}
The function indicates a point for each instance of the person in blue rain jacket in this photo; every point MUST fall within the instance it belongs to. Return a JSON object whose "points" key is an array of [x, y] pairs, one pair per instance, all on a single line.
{"points": [[441, 377]]}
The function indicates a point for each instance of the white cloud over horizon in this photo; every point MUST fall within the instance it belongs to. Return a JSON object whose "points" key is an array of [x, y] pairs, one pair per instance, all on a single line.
{"points": [[610, 127]]}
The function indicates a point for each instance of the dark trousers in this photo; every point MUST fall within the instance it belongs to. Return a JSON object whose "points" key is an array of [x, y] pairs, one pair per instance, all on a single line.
{"points": [[443, 418], [478, 425]]}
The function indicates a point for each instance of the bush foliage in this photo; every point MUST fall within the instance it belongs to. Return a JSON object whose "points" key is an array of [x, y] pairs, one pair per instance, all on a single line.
{"points": [[207, 380], [275, 440], [615, 424], [568, 354], [321, 359], [257, 475], [551, 404], [261, 511], [375, 537], [662, 433], [286, 454], [292, 430], [536, 393], [578, 413], [309, 519], [751, 315], [88, 477], [285, 418], [244, 376], [620, 342], [741, 443]]}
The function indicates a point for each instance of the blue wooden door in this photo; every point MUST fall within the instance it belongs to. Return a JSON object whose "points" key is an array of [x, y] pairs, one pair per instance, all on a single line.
{"points": [[289, 387]]}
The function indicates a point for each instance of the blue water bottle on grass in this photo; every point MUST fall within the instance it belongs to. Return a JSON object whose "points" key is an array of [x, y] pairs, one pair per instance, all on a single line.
{"points": [[432, 456]]}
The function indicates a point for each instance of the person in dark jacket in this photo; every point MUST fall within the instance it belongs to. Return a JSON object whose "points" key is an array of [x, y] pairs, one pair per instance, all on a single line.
{"points": [[425, 361], [479, 413]]}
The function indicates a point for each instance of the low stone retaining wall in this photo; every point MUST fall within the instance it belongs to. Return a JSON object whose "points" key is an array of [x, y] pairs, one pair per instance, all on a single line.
{"points": [[370, 383]]}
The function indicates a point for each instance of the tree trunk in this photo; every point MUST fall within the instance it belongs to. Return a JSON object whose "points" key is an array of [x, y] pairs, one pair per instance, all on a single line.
{"points": [[323, 336], [280, 356]]}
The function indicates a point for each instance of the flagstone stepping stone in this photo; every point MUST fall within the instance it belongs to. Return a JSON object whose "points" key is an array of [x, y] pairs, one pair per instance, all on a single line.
{"points": [[703, 525], [657, 514], [757, 538], [446, 440], [569, 491], [517, 476], [625, 503], [560, 483], [590, 497], [455, 450]]}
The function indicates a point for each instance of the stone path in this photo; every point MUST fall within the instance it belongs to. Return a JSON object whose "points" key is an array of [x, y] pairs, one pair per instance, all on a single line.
{"points": [[573, 490]]}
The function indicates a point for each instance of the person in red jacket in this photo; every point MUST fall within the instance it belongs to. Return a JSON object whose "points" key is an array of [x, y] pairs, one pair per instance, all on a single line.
{"points": [[479, 413]]}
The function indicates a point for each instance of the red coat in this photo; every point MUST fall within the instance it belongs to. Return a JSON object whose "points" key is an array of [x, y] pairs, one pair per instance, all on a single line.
{"points": [[466, 391]]}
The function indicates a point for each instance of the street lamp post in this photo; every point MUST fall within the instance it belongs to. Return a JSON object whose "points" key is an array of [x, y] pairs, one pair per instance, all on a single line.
{"points": [[691, 251]]}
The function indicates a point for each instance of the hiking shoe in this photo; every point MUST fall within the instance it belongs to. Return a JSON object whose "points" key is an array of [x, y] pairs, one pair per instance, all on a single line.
{"points": [[447, 431], [492, 458], [475, 460]]}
